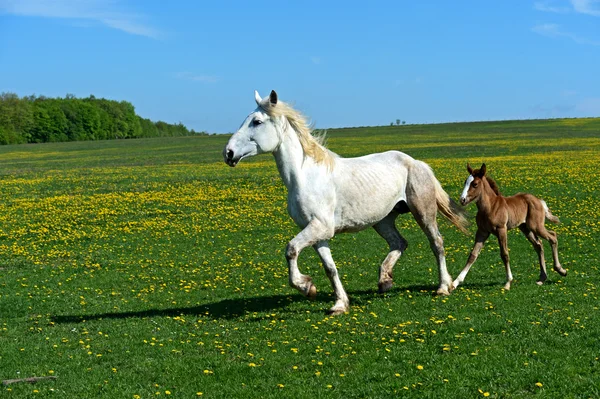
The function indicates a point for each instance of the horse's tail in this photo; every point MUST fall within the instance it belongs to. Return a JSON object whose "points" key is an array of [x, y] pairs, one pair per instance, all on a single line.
{"points": [[454, 213], [447, 207], [549, 216]]}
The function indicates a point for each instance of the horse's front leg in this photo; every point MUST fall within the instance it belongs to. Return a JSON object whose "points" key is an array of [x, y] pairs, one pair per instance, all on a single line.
{"points": [[480, 238], [342, 302], [503, 242], [314, 232]]}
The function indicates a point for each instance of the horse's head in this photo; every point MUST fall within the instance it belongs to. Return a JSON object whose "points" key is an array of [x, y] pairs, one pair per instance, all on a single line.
{"points": [[258, 133], [473, 185]]}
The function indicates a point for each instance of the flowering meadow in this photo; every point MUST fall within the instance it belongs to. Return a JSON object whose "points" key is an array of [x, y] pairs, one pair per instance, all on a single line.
{"points": [[148, 268]]}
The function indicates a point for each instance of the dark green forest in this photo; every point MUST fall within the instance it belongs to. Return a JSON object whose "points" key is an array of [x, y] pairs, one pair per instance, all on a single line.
{"points": [[39, 119]]}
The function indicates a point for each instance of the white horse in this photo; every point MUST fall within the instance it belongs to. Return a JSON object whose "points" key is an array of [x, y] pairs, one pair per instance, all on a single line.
{"points": [[328, 194]]}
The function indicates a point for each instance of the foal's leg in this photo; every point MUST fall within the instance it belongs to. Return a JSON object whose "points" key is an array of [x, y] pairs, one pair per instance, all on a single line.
{"points": [[553, 240], [342, 303], [314, 232], [425, 215], [387, 229], [503, 242], [539, 248], [480, 238]]}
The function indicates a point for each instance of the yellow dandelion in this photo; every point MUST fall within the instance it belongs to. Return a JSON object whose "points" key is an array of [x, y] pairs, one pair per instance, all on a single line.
{"points": [[419, 367]]}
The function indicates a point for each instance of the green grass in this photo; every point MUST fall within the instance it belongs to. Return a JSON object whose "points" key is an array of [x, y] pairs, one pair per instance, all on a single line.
{"points": [[132, 268]]}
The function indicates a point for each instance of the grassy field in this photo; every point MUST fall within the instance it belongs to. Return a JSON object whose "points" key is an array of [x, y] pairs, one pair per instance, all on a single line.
{"points": [[149, 268]]}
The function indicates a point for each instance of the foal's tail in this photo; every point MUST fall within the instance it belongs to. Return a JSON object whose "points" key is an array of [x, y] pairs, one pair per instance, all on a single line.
{"points": [[549, 216]]}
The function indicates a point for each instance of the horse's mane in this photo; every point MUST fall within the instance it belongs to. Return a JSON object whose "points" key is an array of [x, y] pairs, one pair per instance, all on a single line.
{"points": [[493, 185], [312, 144], [491, 182]]}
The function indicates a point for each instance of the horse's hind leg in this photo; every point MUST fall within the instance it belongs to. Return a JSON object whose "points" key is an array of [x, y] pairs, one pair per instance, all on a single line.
{"points": [[539, 248], [553, 240], [425, 213], [342, 302], [387, 229]]}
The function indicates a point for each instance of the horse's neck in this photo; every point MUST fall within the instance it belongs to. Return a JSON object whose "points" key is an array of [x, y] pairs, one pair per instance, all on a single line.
{"points": [[289, 157], [487, 199]]}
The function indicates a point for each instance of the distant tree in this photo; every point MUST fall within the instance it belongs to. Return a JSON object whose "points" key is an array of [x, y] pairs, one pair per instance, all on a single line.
{"points": [[38, 119], [397, 121], [404, 122]]}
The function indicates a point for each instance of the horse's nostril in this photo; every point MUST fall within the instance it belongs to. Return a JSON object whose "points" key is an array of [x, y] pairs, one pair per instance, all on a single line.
{"points": [[229, 154]]}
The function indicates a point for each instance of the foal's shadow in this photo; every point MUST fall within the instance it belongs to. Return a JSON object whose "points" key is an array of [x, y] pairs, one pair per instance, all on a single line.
{"points": [[229, 309]]}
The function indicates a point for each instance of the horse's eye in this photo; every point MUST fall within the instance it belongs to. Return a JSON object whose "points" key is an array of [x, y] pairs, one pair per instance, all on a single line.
{"points": [[256, 122], [474, 185]]}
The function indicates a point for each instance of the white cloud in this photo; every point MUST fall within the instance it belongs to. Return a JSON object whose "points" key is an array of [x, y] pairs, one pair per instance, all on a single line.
{"points": [[555, 31], [105, 12], [197, 78], [550, 7], [589, 7], [315, 60]]}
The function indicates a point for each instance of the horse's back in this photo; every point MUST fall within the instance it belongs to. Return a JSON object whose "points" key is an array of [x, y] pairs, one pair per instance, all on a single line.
{"points": [[524, 208], [368, 188]]}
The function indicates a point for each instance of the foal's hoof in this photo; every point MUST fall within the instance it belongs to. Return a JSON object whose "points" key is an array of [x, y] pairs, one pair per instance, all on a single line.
{"points": [[539, 282], [561, 271], [453, 286], [312, 292], [385, 286], [442, 291]]}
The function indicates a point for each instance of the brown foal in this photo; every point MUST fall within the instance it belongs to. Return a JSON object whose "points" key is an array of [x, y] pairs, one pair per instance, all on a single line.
{"points": [[497, 214]]}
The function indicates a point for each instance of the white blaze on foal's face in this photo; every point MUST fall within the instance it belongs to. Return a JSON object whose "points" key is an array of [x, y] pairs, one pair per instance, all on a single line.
{"points": [[464, 197]]}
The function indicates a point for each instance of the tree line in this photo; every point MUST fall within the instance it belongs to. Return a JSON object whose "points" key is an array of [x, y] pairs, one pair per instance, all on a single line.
{"points": [[39, 119]]}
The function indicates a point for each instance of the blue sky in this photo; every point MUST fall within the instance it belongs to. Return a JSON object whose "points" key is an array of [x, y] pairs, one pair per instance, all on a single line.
{"points": [[343, 63]]}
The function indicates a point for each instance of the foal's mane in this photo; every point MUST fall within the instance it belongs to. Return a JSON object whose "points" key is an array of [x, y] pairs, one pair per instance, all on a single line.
{"points": [[312, 144], [491, 182]]}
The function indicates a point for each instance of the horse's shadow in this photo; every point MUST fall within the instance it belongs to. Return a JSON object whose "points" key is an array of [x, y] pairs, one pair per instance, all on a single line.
{"points": [[224, 309], [229, 309]]}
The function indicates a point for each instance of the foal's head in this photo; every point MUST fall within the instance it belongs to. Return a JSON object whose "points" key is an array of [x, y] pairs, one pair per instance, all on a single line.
{"points": [[473, 185]]}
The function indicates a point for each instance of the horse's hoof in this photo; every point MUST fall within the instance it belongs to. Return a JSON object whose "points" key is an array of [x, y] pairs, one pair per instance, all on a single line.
{"points": [[507, 287], [442, 291], [561, 271], [312, 292], [539, 282], [336, 311], [385, 286]]}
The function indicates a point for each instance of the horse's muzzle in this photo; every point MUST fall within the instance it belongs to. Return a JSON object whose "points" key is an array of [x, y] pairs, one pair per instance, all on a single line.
{"points": [[229, 158]]}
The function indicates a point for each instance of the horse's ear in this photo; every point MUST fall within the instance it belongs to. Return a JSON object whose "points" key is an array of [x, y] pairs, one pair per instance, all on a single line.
{"points": [[273, 97], [482, 170], [257, 97], [469, 169]]}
